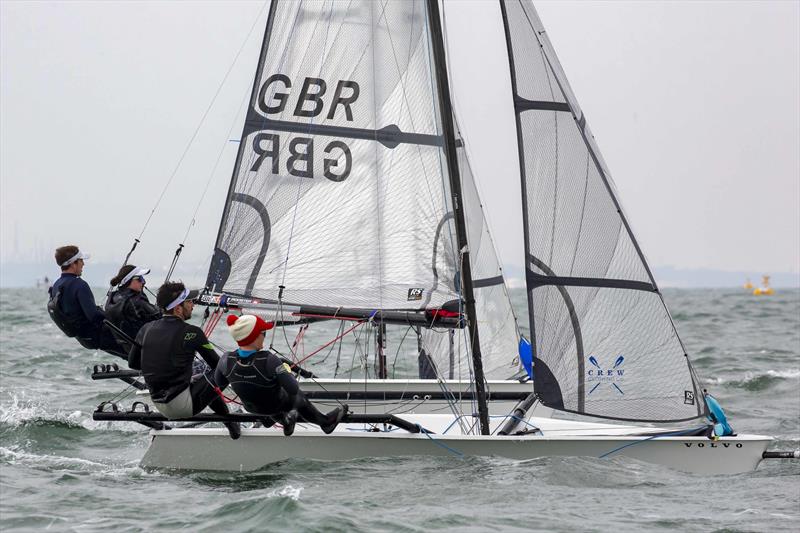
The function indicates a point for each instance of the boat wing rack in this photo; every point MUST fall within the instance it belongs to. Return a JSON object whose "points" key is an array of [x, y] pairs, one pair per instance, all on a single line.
{"points": [[112, 371], [140, 412]]}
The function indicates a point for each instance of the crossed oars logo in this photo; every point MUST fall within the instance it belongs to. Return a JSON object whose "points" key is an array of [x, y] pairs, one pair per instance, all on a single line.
{"points": [[602, 372]]}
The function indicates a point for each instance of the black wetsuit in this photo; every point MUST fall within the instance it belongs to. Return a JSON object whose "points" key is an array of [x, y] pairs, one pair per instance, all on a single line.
{"points": [[164, 354], [129, 310], [73, 309], [266, 386]]}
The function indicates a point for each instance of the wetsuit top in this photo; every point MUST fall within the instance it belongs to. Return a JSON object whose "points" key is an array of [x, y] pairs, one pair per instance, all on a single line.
{"points": [[77, 306], [165, 354], [129, 310], [257, 378]]}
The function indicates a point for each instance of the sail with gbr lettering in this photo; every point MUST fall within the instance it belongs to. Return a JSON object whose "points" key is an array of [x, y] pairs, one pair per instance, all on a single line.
{"points": [[340, 195]]}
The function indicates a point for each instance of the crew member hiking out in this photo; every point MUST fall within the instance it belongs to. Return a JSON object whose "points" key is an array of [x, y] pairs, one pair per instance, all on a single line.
{"points": [[264, 382], [128, 307], [72, 306], [164, 352]]}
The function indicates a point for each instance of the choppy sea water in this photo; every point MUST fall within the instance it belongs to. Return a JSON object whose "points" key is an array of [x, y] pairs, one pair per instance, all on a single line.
{"points": [[60, 470]]}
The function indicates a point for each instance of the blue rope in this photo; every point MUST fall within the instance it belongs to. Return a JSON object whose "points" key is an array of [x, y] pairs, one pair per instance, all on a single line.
{"points": [[436, 442], [673, 434]]}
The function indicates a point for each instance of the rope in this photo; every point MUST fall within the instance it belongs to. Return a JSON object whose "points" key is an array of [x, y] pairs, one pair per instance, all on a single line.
{"points": [[672, 434], [200, 124], [331, 342], [225, 398], [440, 444]]}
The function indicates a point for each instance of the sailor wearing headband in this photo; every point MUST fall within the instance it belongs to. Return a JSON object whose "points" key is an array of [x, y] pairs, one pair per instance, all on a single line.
{"points": [[127, 306], [164, 352], [72, 306]]}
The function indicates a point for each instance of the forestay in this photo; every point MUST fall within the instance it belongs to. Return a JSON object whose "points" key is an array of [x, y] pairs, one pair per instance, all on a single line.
{"points": [[340, 189], [603, 339]]}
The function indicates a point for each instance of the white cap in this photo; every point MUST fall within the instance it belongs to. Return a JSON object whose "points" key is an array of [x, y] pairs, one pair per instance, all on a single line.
{"points": [[137, 271], [79, 255]]}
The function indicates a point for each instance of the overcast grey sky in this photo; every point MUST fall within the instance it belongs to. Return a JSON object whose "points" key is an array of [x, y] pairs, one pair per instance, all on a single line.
{"points": [[695, 107]]}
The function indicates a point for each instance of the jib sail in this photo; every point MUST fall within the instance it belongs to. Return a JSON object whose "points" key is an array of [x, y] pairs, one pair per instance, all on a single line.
{"points": [[604, 343]]}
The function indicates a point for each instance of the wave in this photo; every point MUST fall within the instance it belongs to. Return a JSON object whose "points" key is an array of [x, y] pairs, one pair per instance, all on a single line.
{"points": [[14, 455], [756, 381], [22, 411]]}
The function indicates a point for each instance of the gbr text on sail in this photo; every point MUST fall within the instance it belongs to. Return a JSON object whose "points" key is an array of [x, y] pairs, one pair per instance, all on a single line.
{"points": [[274, 97]]}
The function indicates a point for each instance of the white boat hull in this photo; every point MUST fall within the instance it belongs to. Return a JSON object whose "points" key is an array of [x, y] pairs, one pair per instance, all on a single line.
{"points": [[212, 449]]}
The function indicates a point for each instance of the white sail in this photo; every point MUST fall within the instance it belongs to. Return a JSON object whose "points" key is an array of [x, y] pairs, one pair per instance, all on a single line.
{"points": [[340, 192], [603, 339]]}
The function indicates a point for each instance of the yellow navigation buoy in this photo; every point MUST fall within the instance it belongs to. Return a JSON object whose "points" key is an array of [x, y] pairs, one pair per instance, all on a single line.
{"points": [[765, 289], [748, 284]]}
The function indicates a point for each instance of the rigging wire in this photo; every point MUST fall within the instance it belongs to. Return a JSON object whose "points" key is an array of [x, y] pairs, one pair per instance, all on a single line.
{"points": [[202, 120], [189, 144]]}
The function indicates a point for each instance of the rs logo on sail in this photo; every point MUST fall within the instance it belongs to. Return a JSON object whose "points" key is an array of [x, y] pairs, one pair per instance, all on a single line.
{"points": [[611, 376], [310, 103]]}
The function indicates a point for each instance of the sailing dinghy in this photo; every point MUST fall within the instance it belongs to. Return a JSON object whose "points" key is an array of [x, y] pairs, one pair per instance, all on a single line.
{"points": [[353, 206]]}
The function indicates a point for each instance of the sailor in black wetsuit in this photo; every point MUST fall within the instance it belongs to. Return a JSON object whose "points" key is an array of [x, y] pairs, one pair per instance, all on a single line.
{"points": [[264, 382], [128, 307], [72, 306], [164, 352]]}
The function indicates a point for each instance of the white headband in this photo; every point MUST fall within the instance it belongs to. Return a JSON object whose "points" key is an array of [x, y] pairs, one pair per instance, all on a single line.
{"points": [[79, 255], [179, 300], [137, 271]]}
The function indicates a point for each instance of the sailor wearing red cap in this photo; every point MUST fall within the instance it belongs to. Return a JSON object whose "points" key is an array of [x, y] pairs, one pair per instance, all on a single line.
{"points": [[264, 382]]}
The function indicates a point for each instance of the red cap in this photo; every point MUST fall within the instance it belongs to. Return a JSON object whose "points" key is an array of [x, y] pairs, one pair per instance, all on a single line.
{"points": [[246, 328]]}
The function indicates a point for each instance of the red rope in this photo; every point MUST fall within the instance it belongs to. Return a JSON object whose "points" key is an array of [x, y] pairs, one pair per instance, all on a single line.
{"points": [[216, 321], [225, 398], [330, 342]]}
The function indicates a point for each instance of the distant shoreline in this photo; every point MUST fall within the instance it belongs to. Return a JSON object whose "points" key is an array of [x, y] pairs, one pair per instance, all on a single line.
{"points": [[26, 274]]}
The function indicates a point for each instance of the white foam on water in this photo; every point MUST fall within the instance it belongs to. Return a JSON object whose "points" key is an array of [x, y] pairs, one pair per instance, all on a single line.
{"points": [[287, 492], [750, 376], [16, 456], [784, 373], [21, 410]]}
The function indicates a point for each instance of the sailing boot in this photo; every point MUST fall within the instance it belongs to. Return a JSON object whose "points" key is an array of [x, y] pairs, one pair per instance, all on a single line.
{"points": [[289, 420], [234, 429], [334, 418]]}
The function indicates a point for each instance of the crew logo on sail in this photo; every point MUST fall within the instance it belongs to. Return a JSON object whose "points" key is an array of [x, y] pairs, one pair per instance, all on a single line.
{"points": [[273, 97], [611, 376]]}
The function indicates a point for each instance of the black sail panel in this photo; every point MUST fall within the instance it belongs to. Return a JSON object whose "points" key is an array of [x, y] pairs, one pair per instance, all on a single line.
{"points": [[604, 342]]}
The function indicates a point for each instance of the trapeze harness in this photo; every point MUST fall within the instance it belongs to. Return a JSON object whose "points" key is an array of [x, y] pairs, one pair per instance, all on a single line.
{"points": [[129, 310], [265, 385], [72, 307], [165, 353]]}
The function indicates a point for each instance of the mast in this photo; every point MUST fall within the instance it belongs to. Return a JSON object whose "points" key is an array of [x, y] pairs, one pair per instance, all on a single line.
{"points": [[445, 107]]}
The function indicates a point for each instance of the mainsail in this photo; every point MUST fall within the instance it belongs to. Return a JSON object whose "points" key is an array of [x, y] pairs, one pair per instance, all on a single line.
{"points": [[340, 194], [603, 340]]}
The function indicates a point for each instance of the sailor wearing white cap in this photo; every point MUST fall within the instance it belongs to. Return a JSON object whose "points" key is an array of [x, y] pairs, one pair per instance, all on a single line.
{"points": [[127, 306], [72, 306]]}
